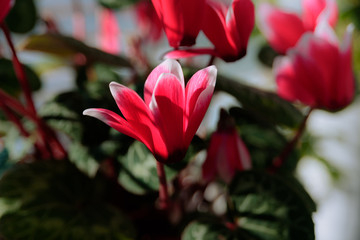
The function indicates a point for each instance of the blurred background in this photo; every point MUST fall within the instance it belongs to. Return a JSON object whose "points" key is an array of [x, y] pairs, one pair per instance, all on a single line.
{"points": [[331, 172]]}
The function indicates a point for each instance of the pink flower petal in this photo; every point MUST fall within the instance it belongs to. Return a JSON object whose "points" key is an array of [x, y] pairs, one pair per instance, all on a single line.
{"points": [[288, 86], [180, 20], [318, 10], [136, 113], [345, 87], [281, 29], [109, 31], [199, 91], [168, 66], [215, 28], [324, 31], [242, 23], [168, 108]]}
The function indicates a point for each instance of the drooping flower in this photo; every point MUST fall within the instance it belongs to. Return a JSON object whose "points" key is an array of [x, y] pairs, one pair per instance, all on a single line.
{"points": [[283, 29], [228, 29], [226, 153], [317, 71], [109, 31], [148, 21], [5, 6], [168, 117], [181, 20]]}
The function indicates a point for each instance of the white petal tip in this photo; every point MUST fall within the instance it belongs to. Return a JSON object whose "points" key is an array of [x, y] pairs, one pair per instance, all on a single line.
{"points": [[87, 112]]}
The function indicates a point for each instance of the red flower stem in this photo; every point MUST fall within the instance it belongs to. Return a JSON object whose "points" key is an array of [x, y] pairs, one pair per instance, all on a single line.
{"points": [[280, 160], [40, 149], [19, 70], [47, 137], [211, 61], [163, 190]]}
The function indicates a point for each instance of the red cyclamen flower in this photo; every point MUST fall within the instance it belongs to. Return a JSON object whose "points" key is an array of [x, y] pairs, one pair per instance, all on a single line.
{"points": [[283, 29], [148, 21], [168, 117], [181, 20], [317, 71], [5, 6], [226, 153], [228, 29]]}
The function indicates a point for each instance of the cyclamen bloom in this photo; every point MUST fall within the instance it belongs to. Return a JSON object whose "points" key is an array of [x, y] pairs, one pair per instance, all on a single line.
{"points": [[5, 6], [317, 71], [228, 29], [227, 153], [168, 117], [283, 29], [181, 20], [148, 21]]}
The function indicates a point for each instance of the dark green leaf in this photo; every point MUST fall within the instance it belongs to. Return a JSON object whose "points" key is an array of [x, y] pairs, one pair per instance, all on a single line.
{"points": [[9, 82], [272, 207], [82, 158], [263, 140], [266, 105], [138, 170], [17, 145], [67, 47], [267, 55], [205, 231], [22, 17], [62, 119], [53, 200]]}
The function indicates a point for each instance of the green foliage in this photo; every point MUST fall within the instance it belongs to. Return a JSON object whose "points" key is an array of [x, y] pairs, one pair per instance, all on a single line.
{"points": [[68, 47], [267, 55], [265, 105], [116, 4], [22, 17], [271, 207], [203, 230], [16, 145], [138, 170], [53, 200], [262, 139], [9, 82]]}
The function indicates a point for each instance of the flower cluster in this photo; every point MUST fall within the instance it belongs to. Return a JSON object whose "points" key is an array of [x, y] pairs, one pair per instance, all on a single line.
{"points": [[228, 28], [317, 70]]}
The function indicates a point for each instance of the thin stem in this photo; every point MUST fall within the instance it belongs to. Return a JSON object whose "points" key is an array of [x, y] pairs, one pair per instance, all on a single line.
{"points": [[163, 190], [19, 70], [280, 160], [48, 139], [40, 148]]}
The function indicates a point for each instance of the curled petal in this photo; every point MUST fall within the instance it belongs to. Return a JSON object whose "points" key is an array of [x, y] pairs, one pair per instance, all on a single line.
{"points": [[136, 113], [215, 28], [199, 91], [168, 66]]}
